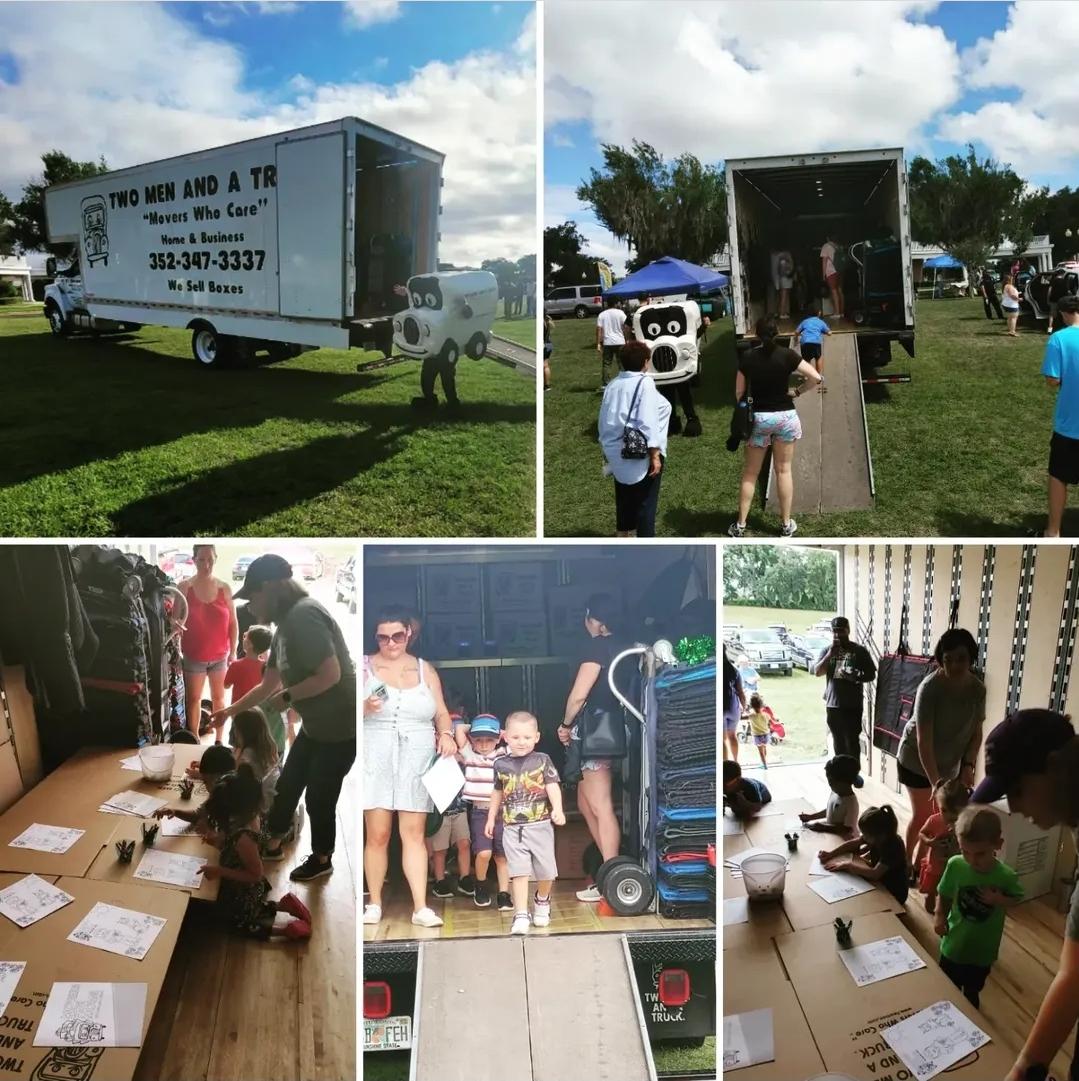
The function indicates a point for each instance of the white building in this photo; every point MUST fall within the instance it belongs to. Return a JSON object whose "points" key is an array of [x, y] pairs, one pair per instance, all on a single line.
{"points": [[1039, 252], [17, 268]]}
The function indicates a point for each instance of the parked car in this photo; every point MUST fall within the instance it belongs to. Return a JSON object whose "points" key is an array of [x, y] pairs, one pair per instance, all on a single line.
{"points": [[766, 652], [239, 568], [579, 301], [782, 630], [345, 583], [306, 563], [177, 564], [732, 635], [806, 648]]}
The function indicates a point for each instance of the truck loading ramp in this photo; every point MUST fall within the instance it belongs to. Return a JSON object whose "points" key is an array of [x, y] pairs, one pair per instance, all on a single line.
{"points": [[559, 1006], [832, 467]]}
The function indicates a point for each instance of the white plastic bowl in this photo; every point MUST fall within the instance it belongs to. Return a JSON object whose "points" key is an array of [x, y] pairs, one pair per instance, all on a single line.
{"points": [[157, 762], [765, 875]]}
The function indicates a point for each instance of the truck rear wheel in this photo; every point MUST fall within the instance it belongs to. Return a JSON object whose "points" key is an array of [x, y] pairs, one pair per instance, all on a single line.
{"points": [[210, 349], [58, 325]]}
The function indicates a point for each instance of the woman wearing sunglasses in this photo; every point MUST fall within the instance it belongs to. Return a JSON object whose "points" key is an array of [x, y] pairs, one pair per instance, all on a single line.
{"points": [[405, 723]]}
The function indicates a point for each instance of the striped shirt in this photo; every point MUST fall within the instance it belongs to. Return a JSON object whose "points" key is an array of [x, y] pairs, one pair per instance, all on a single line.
{"points": [[479, 772]]}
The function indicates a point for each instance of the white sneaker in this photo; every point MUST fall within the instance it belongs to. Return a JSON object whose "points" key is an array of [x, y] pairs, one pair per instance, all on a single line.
{"points": [[372, 914], [521, 922], [426, 918], [591, 895], [541, 914]]}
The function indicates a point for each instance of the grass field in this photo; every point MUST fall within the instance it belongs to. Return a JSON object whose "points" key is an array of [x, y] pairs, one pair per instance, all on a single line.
{"points": [[518, 329], [960, 451], [795, 699], [128, 436]]}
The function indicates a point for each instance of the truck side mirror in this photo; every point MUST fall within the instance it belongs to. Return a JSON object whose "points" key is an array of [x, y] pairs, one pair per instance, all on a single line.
{"points": [[50, 267]]}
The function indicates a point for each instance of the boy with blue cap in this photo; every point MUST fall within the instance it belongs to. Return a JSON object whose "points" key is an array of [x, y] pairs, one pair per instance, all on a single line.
{"points": [[478, 762]]}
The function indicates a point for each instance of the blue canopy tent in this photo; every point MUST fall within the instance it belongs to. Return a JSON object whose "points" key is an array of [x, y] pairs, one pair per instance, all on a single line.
{"points": [[668, 275], [937, 263]]}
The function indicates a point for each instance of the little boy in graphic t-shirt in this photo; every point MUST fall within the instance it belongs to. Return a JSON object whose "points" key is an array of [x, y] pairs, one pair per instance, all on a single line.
{"points": [[528, 797]]}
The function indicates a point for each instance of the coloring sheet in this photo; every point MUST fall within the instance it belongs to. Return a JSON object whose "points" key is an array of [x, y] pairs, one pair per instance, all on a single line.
{"points": [[748, 1038], [839, 886], [443, 781], [818, 868], [28, 900], [118, 930], [10, 971], [880, 960], [732, 827], [131, 763], [172, 868], [934, 1039], [176, 827], [769, 812], [93, 1015], [735, 910], [132, 803], [55, 839]]}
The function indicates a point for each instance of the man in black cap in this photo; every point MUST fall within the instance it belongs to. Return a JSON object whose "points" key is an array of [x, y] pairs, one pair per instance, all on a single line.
{"points": [[1032, 758], [846, 667], [309, 670]]}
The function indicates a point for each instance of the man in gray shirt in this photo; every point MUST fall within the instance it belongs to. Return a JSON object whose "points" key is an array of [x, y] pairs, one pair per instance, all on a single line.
{"points": [[846, 667], [1032, 758]]}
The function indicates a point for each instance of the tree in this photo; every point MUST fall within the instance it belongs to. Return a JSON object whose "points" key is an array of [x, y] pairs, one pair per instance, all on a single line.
{"points": [[30, 232], [968, 207], [767, 576], [657, 208], [505, 271], [7, 226], [565, 261], [526, 268], [1060, 220]]}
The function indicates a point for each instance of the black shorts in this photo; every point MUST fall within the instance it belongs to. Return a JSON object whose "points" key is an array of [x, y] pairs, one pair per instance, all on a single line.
{"points": [[1064, 459], [910, 778], [811, 351]]}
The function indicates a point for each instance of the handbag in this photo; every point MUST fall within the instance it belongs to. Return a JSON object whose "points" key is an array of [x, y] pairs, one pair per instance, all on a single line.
{"points": [[634, 442], [742, 419], [603, 733]]}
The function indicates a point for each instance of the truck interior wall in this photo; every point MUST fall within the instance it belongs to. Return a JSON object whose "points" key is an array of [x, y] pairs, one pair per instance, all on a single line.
{"points": [[394, 229]]}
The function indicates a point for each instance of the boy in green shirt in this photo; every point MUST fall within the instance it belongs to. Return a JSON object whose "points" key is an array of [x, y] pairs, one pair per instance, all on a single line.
{"points": [[974, 891]]}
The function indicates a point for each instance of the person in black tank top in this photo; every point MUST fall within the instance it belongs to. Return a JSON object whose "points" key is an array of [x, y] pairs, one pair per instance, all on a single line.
{"points": [[765, 372]]}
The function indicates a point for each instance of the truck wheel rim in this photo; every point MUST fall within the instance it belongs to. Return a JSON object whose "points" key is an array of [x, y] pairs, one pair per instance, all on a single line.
{"points": [[207, 347], [629, 892]]}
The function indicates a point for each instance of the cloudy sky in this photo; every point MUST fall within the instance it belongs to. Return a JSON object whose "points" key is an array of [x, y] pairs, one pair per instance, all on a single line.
{"points": [[137, 82], [734, 79]]}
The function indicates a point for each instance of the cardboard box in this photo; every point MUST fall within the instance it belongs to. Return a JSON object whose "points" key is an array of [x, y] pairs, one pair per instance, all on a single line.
{"points": [[448, 637], [847, 1020], [520, 635], [1030, 852], [452, 587], [570, 842], [515, 587], [51, 958]]}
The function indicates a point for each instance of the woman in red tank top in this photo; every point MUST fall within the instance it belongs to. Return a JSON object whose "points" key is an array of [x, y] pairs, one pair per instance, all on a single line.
{"points": [[209, 642]]}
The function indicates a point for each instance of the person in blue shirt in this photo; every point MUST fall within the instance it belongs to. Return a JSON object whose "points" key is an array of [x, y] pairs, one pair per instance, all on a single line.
{"points": [[808, 336], [1061, 370]]}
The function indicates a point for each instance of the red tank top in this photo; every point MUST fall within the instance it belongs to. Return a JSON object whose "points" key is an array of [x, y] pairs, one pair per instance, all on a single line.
{"points": [[207, 635]]}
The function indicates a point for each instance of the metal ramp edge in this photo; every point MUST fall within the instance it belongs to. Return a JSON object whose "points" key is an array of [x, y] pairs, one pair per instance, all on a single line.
{"points": [[564, 1006]]}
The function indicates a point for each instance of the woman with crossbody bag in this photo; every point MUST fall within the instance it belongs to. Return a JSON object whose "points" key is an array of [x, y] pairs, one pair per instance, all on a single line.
{"points": [[633, 421]]}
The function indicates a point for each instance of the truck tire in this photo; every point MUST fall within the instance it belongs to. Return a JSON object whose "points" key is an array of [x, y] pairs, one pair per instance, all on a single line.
{"points": [[58, 325], [477, 347], [580, 312], [629, 890], [210, 349]]}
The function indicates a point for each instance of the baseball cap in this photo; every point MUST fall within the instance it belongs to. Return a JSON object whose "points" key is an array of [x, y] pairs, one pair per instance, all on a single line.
{"points": [[263, 569], [485, 724], [602, 606], [1021, 743], [840, 621]]}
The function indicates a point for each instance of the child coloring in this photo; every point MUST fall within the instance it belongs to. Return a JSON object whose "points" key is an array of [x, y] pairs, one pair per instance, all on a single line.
{"points": [[841, 814], [877, 854], [255, 746]]}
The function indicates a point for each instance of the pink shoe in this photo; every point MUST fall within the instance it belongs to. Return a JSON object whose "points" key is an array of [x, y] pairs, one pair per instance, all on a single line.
{"points": [[291, 904], [298, 930]]}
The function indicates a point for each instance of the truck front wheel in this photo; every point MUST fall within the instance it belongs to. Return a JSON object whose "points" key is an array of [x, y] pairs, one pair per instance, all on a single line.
{"points": [[57, 323], [210, 349], [477, 347]]}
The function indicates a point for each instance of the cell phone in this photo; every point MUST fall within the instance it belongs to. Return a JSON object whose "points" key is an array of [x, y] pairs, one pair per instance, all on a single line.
{"points": [[378, 690]]}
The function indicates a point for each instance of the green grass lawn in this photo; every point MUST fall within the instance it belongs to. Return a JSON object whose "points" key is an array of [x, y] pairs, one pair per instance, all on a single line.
{"points": [[795, 699], [518, 329], [960, 451], [128, 436]]}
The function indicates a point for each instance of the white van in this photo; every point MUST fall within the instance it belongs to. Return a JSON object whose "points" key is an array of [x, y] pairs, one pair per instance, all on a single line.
{"points": [[671, 328], [447, 314]]}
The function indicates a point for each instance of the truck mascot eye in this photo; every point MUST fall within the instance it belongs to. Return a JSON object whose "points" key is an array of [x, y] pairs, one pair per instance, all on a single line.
{"points": [[653, 330], [671, 320], [417, 300], [426, 293]]}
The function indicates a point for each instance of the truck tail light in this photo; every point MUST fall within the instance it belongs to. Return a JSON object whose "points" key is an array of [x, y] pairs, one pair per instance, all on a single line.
{"points": [[377, 999], [673, 987]]}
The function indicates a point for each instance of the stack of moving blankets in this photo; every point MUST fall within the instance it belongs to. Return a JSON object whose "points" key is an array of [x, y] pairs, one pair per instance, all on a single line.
{"points": [[686, 790]]}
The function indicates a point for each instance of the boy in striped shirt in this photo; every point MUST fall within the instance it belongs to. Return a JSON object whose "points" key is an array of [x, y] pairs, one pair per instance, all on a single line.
{"points": [[478, 762]]}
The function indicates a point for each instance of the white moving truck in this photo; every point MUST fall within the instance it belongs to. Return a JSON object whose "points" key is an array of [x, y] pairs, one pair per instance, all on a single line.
{"points": [[283, 243], [858, 200]]}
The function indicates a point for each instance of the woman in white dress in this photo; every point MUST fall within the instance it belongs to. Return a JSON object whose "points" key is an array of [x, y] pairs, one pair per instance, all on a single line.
{"points": [[406, 723]]}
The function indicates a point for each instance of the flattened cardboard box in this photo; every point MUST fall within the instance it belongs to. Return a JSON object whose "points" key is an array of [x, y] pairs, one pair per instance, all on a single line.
{"points": [[847, 1021], [50, 958], [796, 1054]]}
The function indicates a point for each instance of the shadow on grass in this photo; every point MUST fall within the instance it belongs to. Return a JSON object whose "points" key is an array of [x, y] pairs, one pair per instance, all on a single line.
{"points": [[954, 524]]}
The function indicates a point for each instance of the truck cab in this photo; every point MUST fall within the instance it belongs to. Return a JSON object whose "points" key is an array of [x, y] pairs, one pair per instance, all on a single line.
{"points": [[447, 314]]}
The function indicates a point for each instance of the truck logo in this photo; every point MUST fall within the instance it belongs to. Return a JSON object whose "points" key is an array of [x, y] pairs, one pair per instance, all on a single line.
{"points": [[95, 237]]}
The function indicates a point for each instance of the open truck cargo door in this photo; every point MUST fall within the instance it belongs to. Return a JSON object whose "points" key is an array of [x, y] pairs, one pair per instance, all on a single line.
{"points": [[312, 234]]}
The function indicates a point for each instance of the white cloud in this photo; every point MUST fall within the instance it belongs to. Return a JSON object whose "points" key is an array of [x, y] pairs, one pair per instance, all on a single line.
{"points": [[361, 13], [277, 7], [732, 79], [1035, 55], [526, 39], [99, 81], [561, 140]]}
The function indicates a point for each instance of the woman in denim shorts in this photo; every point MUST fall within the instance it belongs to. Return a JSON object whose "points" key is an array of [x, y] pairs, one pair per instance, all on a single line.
{"points": [[209, 640], [767, 371]]}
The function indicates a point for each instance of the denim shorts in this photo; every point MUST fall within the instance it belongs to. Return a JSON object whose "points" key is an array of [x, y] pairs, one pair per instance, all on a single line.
{"points": [[204, 667], [768, 428]]}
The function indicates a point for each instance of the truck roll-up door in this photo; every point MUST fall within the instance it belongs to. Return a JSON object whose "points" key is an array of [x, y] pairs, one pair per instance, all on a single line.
{"points": [[311, 228]]}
